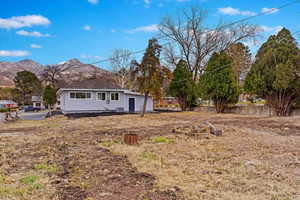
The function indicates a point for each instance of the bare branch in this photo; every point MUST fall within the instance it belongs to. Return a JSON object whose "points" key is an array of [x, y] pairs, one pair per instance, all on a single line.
{"points": [[195, 43], [121, 65]]}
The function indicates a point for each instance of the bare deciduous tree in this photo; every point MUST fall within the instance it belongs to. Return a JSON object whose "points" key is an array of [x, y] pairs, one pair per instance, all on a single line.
{"points": [[121, 65], [195, 42], [52, 74], [170, 58], [241, 60]]}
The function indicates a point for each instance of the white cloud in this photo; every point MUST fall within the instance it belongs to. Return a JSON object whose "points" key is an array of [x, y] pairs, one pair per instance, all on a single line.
{"points": [[90, 57], [273, 29], [147, 29], [147, 3], [229, 11], [36, 46], [32, 34], [14, 53], [235, 11], [113, 30], [24, 21], [93, 1], [87, 28], [269, 10], [62, 62]]}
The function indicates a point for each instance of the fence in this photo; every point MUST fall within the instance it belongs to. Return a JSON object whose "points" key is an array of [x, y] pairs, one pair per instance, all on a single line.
{"points": [[260, 110]]}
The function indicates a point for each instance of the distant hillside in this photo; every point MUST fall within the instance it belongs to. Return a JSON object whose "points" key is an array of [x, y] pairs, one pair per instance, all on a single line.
{"points": [[75, 70], [8, 70]]}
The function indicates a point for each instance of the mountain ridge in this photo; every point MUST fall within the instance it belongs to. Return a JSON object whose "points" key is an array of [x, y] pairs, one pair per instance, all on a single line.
{"points": [[74, 70]]}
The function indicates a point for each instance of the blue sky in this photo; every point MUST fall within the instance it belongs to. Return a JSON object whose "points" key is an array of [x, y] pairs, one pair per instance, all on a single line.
{"points": [[52, 31]]}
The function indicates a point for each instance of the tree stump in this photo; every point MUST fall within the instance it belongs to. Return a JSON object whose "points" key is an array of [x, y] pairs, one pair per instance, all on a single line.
{"points": [[131, 139], [214, 130]]}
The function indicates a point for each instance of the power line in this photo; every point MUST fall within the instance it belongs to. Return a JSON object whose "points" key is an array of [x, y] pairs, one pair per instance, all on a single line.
{"points": [[224, 66], [224, 26], [264, 13], [133, 53], [141, 51]]}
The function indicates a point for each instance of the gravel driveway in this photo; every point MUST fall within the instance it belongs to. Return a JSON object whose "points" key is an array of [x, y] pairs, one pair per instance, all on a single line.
{"points": [[33, 115]]}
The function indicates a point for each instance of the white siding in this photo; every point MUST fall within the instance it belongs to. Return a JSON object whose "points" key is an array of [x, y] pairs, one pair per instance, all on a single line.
{"points": [[69, 105], [139, 102]]}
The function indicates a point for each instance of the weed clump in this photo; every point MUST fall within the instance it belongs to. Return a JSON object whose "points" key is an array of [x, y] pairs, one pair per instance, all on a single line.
{"points": [[149, 156], [161, 139], [30, 179], [109, 143], [51, 169]]}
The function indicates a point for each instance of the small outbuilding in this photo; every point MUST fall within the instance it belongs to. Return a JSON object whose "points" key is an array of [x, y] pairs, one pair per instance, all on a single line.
{"points": [[8, 104], [98, 96]]}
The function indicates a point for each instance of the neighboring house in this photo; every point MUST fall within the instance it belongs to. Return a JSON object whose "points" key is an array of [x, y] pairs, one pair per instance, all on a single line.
{"points": [[97, 96], [8, 104], [37, 102], [166, 102]]}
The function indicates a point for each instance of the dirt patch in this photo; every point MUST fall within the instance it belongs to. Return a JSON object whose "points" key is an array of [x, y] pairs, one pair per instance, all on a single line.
{"points": [[12, 134], [85, 158], [280, 126], [85, 170], [22, 130], [99, 174], [237, 165]]}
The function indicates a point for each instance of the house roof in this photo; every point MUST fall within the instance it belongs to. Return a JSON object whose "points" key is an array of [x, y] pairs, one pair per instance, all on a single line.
{"points": [[7, 102], [96, 85], [100, 83], [132, 93], [36, 98], [61, 90]]}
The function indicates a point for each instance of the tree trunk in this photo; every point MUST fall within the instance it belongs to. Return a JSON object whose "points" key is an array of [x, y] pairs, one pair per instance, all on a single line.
{"points": [[131, 139], [281, 102], [182, 103], [220, 105], [145, 104], [23, 98], [50, 111]]}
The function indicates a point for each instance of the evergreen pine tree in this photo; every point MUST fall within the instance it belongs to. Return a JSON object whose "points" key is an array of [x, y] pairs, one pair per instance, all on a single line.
{"points": [[218, 82], [149, 73], [182, 86], [275, 75], [49, 96], [27, 84]]}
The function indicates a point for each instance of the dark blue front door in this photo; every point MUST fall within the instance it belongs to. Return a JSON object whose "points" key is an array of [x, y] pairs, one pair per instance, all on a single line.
{"points": [[131, 104]]}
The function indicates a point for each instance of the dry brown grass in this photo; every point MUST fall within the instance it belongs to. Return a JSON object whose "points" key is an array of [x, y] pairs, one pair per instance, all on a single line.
{"points": [[261, 160], [238, 165]]}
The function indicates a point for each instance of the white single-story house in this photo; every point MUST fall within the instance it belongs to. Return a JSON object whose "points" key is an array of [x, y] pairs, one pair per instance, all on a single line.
{"points": [[98, 96], [37, 102]]}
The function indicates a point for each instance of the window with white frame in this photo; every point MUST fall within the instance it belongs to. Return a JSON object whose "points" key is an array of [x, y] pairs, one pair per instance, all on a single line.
{"points": [[101, 96], [114, 96], [80, 95]]}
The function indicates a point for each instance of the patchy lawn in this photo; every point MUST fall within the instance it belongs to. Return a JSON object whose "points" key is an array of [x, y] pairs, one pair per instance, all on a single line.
{"points": [[85, 159]]}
